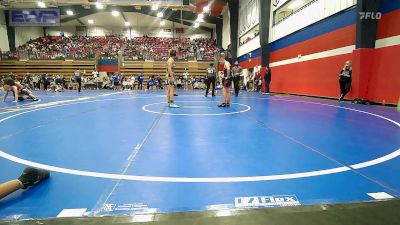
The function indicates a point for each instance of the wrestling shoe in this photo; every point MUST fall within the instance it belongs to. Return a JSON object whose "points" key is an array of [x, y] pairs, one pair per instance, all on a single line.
{"points": [[172, 105]]}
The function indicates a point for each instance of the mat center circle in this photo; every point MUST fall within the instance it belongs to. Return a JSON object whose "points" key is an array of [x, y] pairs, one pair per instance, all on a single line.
{"points": [[196, 108]]}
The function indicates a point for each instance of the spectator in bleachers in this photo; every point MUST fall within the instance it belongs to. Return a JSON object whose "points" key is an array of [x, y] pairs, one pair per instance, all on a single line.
{"points": [[85, 47]]}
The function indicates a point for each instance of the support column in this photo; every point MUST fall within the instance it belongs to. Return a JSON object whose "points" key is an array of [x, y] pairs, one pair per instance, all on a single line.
{"points": [[265, 12], [10, 32], [264, 17], [367, 23], [218, 28], [234, 24], [363, 56]]}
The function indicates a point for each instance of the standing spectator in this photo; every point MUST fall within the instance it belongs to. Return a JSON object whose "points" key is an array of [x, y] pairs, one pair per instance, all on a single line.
{"points": [[59, 83], [258, 81], [43, 82], [122, 78], [267, 79], [236, 71], [160, 82], [345, 80], [210, 80], [71, 85], [140, 81], [132, 83], [35, 81], [185, 79], [78, 79], [115, 80], [95, 75]]}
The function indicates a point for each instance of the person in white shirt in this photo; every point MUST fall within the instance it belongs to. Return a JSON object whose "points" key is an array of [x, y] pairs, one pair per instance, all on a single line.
{"points": [[185, 78], [95, 75], [132, 82]]}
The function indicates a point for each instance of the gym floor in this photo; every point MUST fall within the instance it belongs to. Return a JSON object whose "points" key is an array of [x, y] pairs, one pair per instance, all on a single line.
{"points": [[113, 153]]}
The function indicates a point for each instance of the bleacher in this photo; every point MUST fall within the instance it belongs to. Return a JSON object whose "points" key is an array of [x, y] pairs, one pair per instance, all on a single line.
{"points": [[39, 67], [196, 69], [54, 55], [66, 68]]}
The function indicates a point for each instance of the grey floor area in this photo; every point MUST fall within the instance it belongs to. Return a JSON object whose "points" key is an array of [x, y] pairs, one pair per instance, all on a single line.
{"points": [[368, 213]]}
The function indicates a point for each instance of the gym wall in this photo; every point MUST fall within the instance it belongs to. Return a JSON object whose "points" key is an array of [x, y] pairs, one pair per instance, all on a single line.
{"points": [[325, 46], [309, 61], [24, 34]]}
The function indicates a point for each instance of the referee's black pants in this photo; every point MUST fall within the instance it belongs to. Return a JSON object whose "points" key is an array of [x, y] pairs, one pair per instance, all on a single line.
{"points": [[79, 80], [236, 81], [210, 82]]}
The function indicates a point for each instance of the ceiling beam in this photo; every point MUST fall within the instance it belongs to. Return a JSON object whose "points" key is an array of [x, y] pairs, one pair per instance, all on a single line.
{"points": [[124, 17], [80, 22]]}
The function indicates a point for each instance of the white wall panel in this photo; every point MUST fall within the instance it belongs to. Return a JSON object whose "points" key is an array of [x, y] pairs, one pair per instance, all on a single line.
{"points": [[249, 46], [226, 29], [315, 12], [248, 15], [24, 34]]}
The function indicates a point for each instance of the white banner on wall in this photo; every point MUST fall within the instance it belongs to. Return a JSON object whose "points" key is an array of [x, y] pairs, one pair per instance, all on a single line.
{"points": [[248, 15]]}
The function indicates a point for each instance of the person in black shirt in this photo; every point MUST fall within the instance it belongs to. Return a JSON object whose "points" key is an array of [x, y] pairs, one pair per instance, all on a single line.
{"points": [[345, 80], [210, 80], [78, 79], [267, 79], [236, 71]]}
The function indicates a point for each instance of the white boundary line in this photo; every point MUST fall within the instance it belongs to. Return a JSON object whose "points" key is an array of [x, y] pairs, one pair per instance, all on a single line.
{"points": [[195, 114], [206, 180], [20, 106]]}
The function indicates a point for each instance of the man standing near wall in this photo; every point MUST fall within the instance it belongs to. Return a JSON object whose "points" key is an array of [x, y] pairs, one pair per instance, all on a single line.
{"points": [[236, 71], [267, 79], [140, 81], [211, 74], [78, 79]]}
